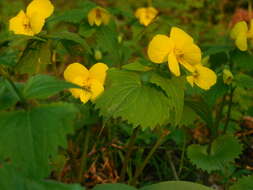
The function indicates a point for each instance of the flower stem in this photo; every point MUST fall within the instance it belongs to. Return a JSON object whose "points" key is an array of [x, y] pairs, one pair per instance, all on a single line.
{"points": [[150, 154], [230, 103], [83, 165], [182, 157], [173, 168], [128, 153]]}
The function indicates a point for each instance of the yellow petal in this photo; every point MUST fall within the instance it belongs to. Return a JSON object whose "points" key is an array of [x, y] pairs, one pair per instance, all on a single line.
{"points": [[152, 11], [206, 77], [76, 92], [241, 41], [105, 17], [85, 96], [190, 79], [98, 21], [139, 12], [191, 54], [91, 17], [43, 7], [180, 37], [240, 27], [159, 48], [37, 22], [173, 64], [189, 67], [98, 72], [96, 88], [75, 70], [146, 15], [20, 24], [98, 15]]}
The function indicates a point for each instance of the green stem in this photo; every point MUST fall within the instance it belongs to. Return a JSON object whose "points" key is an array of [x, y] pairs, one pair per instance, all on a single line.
{"points": [[172, 166], [128, 154], [84, 157], [144, 163], [182, 157], [230, 103], [214, 133]]}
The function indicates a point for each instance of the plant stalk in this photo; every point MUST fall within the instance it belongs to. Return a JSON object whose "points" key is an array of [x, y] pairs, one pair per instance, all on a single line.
{"points": [[83, 165], [173, 168], [230, 103], [128, 154], [150, 154]]}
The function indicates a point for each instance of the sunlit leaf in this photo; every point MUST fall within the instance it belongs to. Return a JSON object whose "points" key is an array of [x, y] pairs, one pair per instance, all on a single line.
{"points": [[127, 97]]}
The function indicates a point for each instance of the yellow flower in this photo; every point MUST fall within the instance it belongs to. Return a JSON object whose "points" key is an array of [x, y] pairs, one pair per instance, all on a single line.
{"points": [[178, 48], [227, 77], [98, 15], [240, 33], [31, 22], [91, 81], [146, 15], [203, 77]]}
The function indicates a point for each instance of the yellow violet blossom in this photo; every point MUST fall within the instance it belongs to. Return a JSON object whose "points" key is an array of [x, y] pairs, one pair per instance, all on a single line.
{"points": [[91, 81], [146, 15], [98, 16], [179, 47], [203, 77], [240, 33], [32, 21]]}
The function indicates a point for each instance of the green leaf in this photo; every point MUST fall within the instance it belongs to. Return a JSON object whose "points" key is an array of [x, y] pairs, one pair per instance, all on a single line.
{"points": [[30, 138], [8, 58], [12, 179], [245, 183], [43, 86], [176, 185], [34, 58], [8, 98], [244, 81], [242, 60], [106, 38], [215, 93], [73, 16], [220, 155], [216, 49], [126, 96], [174, 89], [188, 115], [115, 186], [70, 36], [202, 109], [136, 66]]}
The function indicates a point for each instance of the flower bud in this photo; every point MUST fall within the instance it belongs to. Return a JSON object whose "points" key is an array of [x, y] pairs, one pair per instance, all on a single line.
{"points": [[98, 54], [227, 76]]}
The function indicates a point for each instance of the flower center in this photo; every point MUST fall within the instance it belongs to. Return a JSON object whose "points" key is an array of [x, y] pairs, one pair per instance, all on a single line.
{"points": [[179, 53], [27, 25], [98, 14], [195, 74], [85, 84]]}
